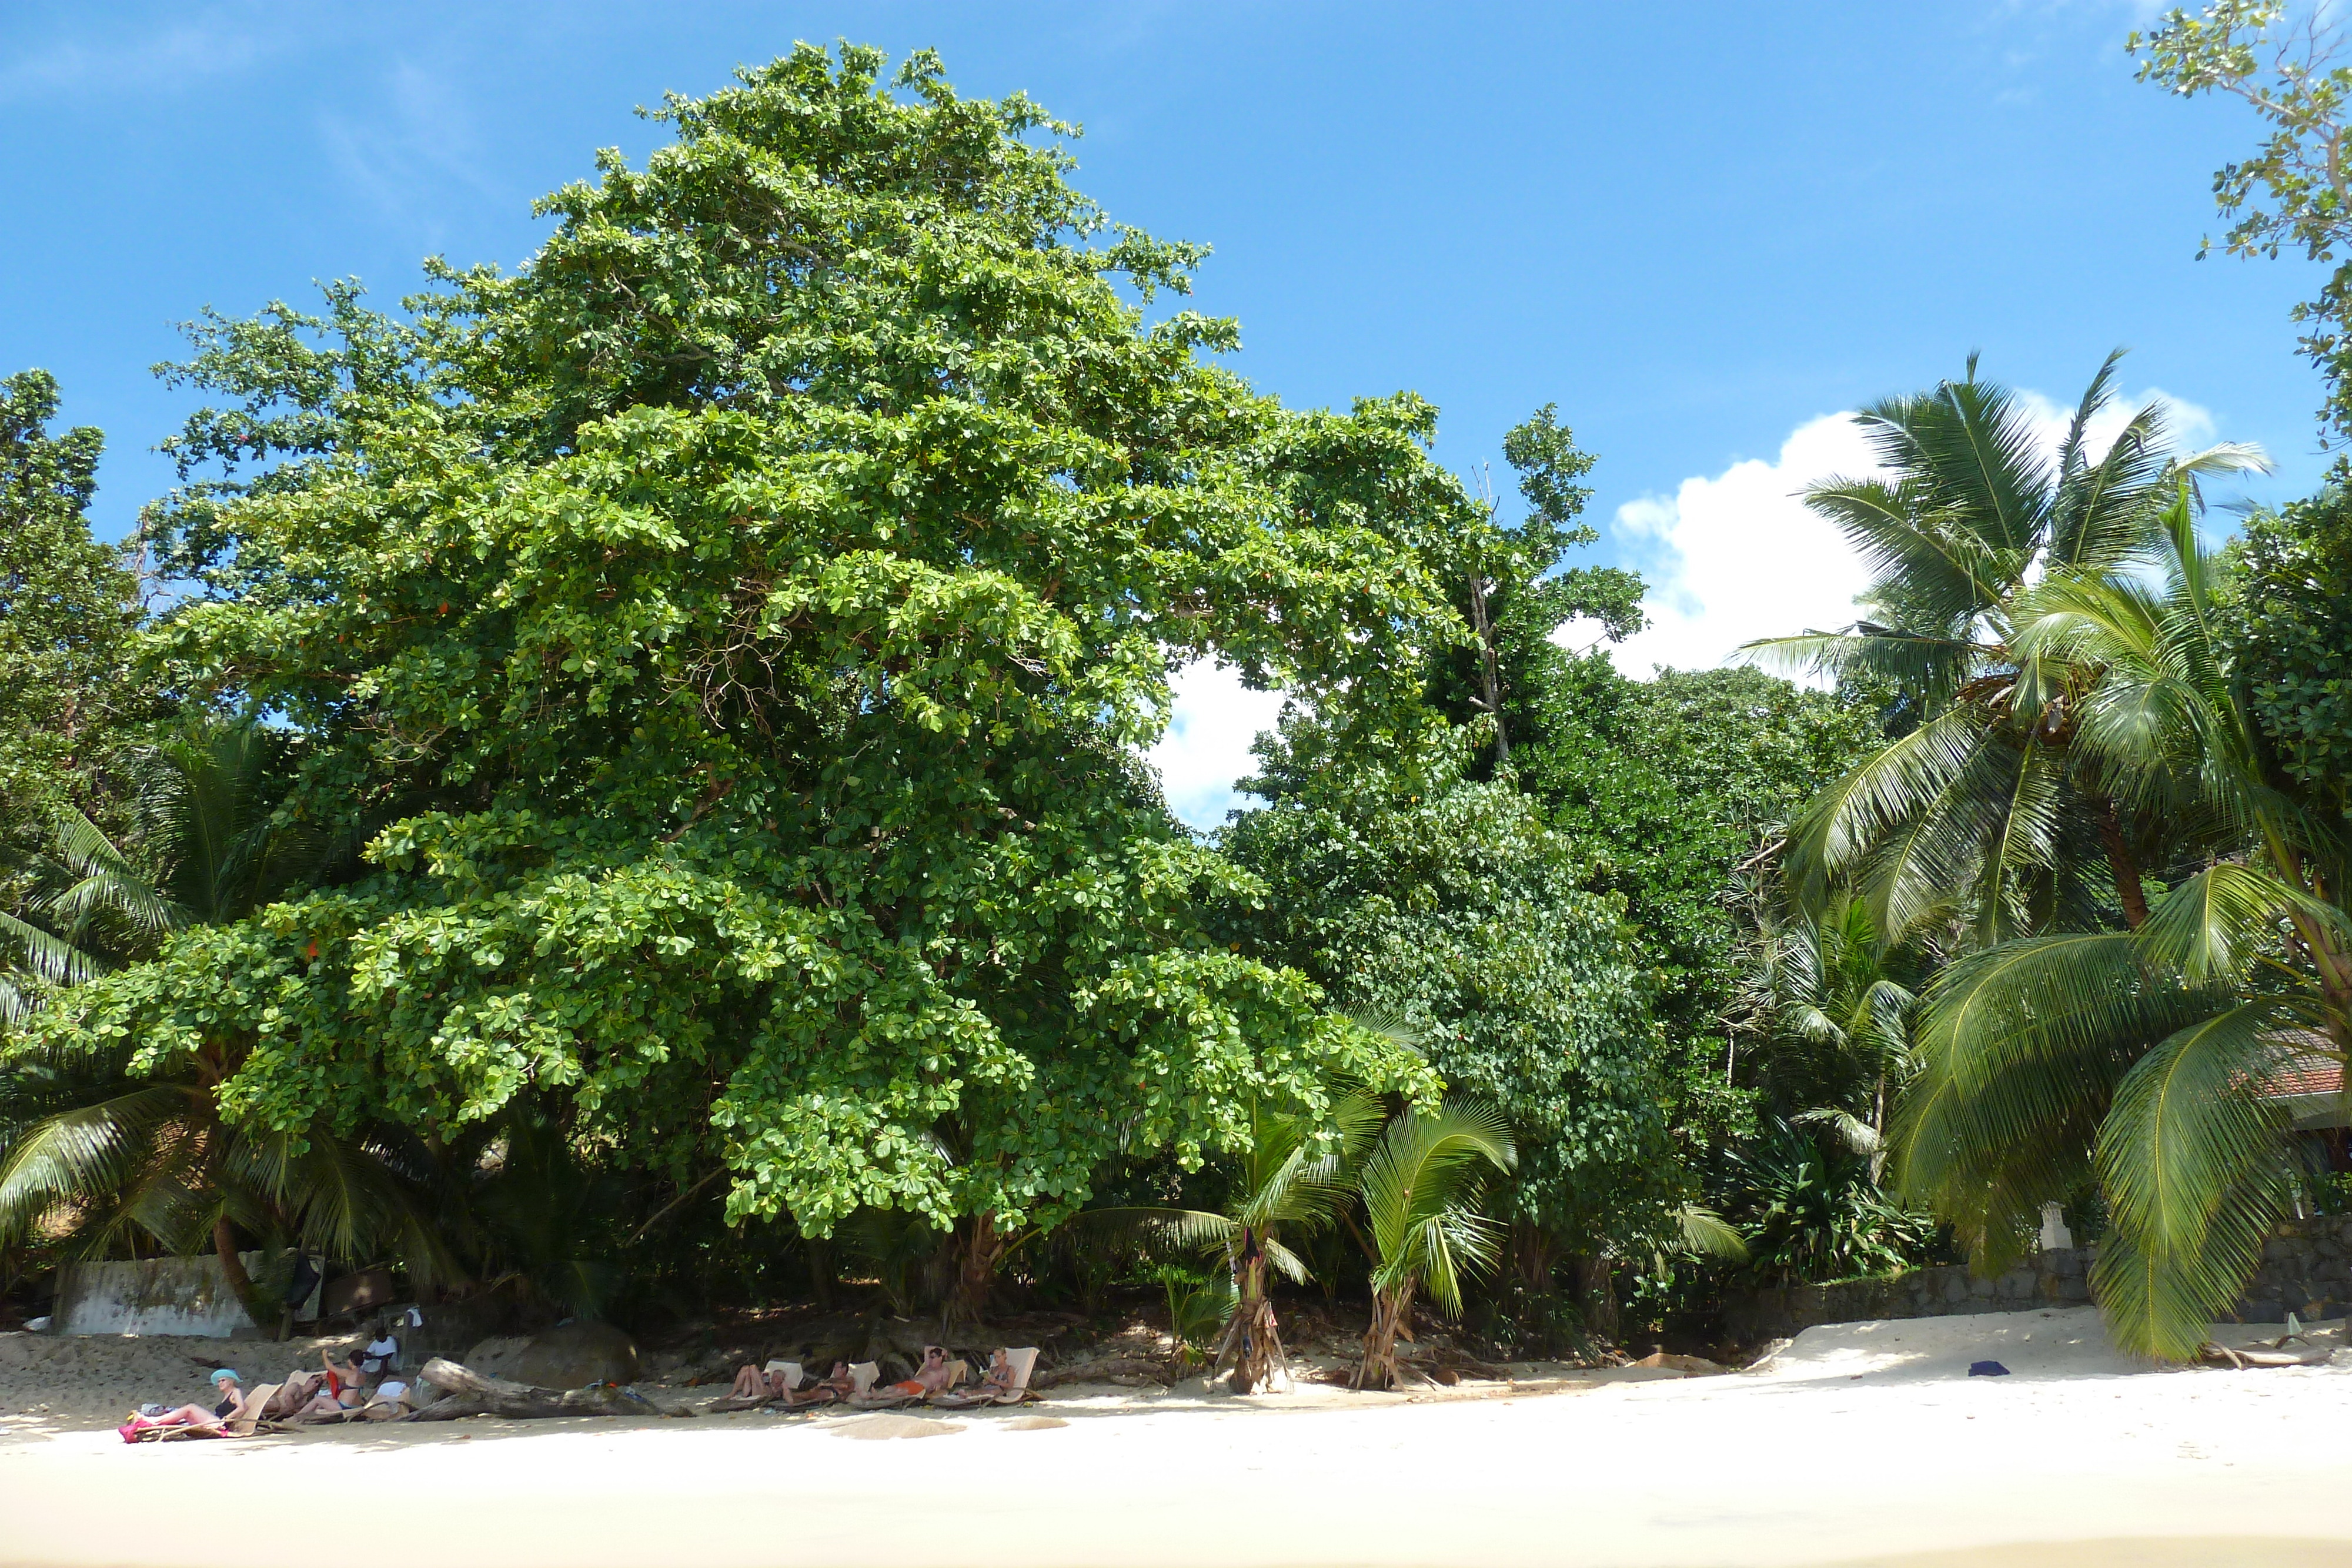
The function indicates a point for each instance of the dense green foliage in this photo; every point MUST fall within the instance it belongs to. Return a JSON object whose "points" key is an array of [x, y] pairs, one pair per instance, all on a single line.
{"points": [[750, 610], [2290, 641], [1450, 905], [69, 700], [687, 830], [1669, 786]]}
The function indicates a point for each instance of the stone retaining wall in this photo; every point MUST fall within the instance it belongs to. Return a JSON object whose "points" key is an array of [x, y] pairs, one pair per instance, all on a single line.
{"points": [[2306, 1269]]}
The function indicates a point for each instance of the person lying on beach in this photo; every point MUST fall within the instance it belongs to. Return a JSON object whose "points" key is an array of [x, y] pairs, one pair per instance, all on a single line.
{"points": [[230, 1390], [930, 1378], [308, 1395], [836, 1386], [752, 1382], [302, 1395]]}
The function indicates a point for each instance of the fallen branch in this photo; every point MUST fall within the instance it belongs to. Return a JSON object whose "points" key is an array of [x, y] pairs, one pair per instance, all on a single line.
{"points": [[468, 1393]]}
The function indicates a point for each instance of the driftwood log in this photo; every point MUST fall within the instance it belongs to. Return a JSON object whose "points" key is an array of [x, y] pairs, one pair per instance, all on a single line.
{"points": [[1131, 1371], [466, 1391]]}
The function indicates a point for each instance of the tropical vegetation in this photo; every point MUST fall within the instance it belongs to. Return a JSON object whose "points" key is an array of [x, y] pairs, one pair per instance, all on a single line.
{"points": [[621, 783]]}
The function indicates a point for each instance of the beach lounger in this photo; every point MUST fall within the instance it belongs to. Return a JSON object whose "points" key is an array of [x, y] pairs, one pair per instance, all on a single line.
{"points": [[2214, 1355], [254, 1411], [865, 1396], [787, 1373], [1022, 1361]]}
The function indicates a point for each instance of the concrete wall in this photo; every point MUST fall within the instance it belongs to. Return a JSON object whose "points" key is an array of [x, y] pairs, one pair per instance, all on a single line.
{"points": [[2306, 1269], [159, 1296], [2056, 1278]]}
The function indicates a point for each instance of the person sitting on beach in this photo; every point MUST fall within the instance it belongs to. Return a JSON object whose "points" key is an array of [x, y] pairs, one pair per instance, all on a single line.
{"points": [[930, 1378], [347, 1383], [998, 1378]]}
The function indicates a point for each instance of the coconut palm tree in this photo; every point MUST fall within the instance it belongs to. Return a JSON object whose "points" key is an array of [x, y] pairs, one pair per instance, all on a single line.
{"points": [[1981, 809], [1421, 1186], [122, 1159], [1840, 1021], [1296, 1178], [2135, 1060], [209, 850]]}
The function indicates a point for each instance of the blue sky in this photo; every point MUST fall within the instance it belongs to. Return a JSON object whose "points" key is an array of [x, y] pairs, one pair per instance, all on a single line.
{"points": [[1702, 231]]}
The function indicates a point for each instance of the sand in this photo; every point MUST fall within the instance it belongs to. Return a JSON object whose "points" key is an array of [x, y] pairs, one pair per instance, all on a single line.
{"points": [[1859, 1444]]}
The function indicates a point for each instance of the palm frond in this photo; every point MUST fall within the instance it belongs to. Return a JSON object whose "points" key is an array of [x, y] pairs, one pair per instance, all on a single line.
{"points": [[1852, 816], [47, 955], [106, 882], [86, 1154], [1858, 1135], [2211, 928], [1418, 1185], [1158, 1231], [1704, 1233], [2194, 1168], [2019, 1050]]}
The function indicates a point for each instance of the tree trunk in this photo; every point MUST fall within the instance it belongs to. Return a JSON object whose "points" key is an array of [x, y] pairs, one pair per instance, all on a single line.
{"points": [[983, 1246], [1878, 1131], [1596, 1283], [1253, 1343], [1379, 1368], [2123, 866], [240, 1283], [471, 1393], [1490, 676], [1533, 1254], [820, 1268]]}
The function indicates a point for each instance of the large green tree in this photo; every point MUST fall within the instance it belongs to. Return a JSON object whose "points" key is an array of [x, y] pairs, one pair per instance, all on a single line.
{"points": [[2286, 62], [756, 605], [2289, 628], [1517, 592]]}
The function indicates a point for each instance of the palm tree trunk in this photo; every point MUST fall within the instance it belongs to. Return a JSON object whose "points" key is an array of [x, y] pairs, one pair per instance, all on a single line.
{"points": [[1379, 1368], [2123, 866], [1253, 1343], [1878, 1131], [239, 1281]]}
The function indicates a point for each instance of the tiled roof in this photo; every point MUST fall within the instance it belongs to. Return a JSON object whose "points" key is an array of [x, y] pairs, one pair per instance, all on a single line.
{"points": [[2302, 1076]]}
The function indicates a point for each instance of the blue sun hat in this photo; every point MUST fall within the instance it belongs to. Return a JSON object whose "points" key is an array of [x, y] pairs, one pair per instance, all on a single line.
{"points": [[226, 1374]]}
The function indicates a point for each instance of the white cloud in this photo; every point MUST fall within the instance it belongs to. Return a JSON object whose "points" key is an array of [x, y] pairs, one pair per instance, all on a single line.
{"points": [[1739, 555], [1207, 745], [1729, 559]]}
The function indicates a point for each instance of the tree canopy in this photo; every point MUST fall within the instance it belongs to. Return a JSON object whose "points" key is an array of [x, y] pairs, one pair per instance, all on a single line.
{"points": [[746, 617]]}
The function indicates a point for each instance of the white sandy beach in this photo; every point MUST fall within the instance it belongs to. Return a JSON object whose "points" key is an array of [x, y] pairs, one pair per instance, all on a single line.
{"points": [[1861, 1443]]}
